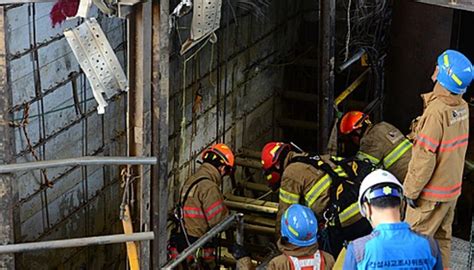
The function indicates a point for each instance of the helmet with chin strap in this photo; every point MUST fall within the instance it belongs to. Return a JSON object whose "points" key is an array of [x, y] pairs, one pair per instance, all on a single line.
{"points": [[455, 71], [272, 156]]}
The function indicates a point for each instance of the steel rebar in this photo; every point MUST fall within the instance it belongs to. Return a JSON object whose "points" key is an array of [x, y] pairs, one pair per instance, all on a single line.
{"points": [[260, 229], [251, 207], [250, 163], [79, 161], [257, 220], [255, 186], [246, 152], [232, 197], [76, 242], [351, 60]]}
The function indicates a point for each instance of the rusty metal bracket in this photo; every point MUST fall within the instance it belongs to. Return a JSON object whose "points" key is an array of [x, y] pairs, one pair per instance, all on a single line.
{"points": [[98, 61]]}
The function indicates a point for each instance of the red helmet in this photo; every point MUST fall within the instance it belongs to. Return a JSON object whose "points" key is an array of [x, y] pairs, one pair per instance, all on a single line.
{"points": [[223, 151], [270, 157], [352, 121]]}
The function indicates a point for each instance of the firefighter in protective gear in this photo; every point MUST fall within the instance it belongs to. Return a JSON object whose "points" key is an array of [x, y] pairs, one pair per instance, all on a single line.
{"points": [[391, 245], [202, 200], [298, 243], [382, 143], [435, 172], [310, 185]]}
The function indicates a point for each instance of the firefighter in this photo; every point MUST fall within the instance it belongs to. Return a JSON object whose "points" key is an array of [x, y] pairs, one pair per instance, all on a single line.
{"points": [[321, 183], [435, 172], [391, 245], [201, 203], [298, 244], [381, 143]]}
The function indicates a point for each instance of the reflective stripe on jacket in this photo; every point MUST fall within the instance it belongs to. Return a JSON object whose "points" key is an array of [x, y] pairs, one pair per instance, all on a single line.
{"points": [[303, 183], [204, 207], [436, 169], [386, 146], [313, 262]]}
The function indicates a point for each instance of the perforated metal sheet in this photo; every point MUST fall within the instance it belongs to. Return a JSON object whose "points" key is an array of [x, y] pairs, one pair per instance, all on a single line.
{"points": [[97, 60], [206, 20]]}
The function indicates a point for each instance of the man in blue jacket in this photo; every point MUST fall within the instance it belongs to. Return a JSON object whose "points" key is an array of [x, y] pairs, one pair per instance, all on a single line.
{"points": [[392, 244]]}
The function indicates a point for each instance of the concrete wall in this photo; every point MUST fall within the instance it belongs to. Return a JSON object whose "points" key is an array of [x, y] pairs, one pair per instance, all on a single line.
{"points": [[44, 74], [237, 80], [420, 32]]}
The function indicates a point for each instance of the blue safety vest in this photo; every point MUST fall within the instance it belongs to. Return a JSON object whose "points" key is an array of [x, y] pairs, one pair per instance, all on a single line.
{"points": [[393, 246]]}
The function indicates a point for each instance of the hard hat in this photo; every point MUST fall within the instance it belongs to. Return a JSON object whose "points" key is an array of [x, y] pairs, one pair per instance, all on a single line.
{"points": [[223, 151], [455, 71], [271, 155], [299, 225], [373, 187], [351, 121]]}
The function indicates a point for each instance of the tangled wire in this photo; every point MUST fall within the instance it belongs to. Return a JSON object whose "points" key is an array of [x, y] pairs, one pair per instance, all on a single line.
{"points": [[368, 23]]}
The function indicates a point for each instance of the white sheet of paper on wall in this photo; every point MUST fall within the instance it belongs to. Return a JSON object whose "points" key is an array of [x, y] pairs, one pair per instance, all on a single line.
{"points": [[98, 61]]}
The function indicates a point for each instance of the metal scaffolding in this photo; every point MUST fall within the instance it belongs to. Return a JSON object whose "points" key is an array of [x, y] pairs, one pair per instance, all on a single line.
{"points": [[76, 242], [224, 225], [79, 161]]}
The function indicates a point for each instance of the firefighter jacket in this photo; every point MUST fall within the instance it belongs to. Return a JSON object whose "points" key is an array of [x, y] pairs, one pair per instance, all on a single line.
{"points": [[393, 246], [469, 163], [386, 146], [435, 170], [204, 207], [297, 258], [305, 184]]}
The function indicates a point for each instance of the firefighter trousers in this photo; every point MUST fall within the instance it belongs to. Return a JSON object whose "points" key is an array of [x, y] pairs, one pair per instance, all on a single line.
{"points": [[434, 219]]}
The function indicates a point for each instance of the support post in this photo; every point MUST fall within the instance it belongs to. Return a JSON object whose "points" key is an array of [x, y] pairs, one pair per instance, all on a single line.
{"points": [[327, 30], [140, 82], [6, 184], [160, 120]]}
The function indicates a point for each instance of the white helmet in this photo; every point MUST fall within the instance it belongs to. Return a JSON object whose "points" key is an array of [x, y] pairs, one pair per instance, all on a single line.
{"points": [[376, 178]]}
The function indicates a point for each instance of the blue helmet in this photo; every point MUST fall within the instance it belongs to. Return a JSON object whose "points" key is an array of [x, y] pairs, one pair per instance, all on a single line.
{"points": [[299, 225], [455, 71]]}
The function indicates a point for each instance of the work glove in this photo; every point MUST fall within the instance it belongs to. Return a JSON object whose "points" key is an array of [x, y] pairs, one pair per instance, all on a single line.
{"points": [[412, 203], [238, 251]]}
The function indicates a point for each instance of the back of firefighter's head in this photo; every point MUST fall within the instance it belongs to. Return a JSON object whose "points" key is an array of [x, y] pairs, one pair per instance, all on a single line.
{"points": [[299, 226], [273, 157], [353, 124], [454, 72], [381, 197], [221, 157]]}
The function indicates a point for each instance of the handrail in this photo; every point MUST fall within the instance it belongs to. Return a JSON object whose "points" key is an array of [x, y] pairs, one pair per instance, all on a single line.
{"points": [[79, 161], [223, 225], [76, 242]]}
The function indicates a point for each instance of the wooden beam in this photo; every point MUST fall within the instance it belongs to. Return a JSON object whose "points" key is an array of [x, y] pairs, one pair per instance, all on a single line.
{"points": [[160, 128]]}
